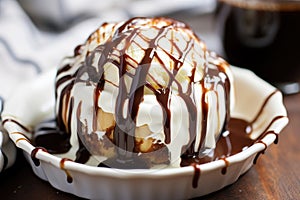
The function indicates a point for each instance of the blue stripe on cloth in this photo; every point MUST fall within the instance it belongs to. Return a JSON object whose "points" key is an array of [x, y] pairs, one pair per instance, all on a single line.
{"points": [[18, 59]]}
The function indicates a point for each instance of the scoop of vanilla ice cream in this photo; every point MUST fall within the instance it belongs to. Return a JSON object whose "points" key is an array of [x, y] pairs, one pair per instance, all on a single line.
{"points": [[143, 86]]}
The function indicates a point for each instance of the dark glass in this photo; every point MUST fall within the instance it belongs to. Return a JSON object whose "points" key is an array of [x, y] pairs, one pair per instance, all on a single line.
{"points": [[263, 36]]}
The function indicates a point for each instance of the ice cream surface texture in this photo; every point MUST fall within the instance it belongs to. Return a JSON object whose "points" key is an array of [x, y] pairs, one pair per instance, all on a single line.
{"points": [[143, 92]]}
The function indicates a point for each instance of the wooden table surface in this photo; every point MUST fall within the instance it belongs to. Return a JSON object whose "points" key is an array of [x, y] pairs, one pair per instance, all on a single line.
{"points": [[275, 176]]}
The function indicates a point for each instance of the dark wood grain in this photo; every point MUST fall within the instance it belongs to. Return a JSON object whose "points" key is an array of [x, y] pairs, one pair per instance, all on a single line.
{"points": [[275, 176]]}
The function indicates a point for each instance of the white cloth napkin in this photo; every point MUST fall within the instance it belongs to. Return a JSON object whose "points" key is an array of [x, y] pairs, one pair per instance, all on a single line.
{"points": [[36, 34]]}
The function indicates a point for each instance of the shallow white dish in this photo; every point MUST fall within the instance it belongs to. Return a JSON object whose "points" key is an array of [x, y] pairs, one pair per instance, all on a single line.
{"points": [[33, 102]]}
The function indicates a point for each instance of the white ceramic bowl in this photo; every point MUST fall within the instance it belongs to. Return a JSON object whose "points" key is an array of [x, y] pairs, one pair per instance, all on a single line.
{"points": [[33, 102]]}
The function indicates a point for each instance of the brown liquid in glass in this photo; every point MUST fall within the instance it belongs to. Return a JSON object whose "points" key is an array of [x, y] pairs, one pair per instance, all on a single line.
{"points": [[262, 38]]}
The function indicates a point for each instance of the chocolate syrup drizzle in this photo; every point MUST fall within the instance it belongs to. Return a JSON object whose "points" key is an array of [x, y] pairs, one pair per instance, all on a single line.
{"points": [[124, 129], [123, 132], [33, 155], [62, 166], [197, 173]]}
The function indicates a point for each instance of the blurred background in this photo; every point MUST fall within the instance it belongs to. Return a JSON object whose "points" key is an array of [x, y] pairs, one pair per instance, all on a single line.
{"points": [[36, 34]]}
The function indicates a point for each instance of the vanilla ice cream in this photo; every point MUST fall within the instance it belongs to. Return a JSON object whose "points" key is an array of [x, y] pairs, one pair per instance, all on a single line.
{"points": [[145, 91]]}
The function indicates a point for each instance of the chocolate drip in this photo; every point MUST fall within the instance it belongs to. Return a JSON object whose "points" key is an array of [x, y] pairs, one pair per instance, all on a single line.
{"points": [[190, 155], [276, 135], [196, 176], [189, 150], [82, 154], [65, 93], [63, 80], [162, 96], [70, 109], [124, 132], [186, 96], [77, 50], [62, 166], [261, 152], [33, 155], [65, 99], [204, 121], [65, 68], [224, 169], [95, 110]]}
